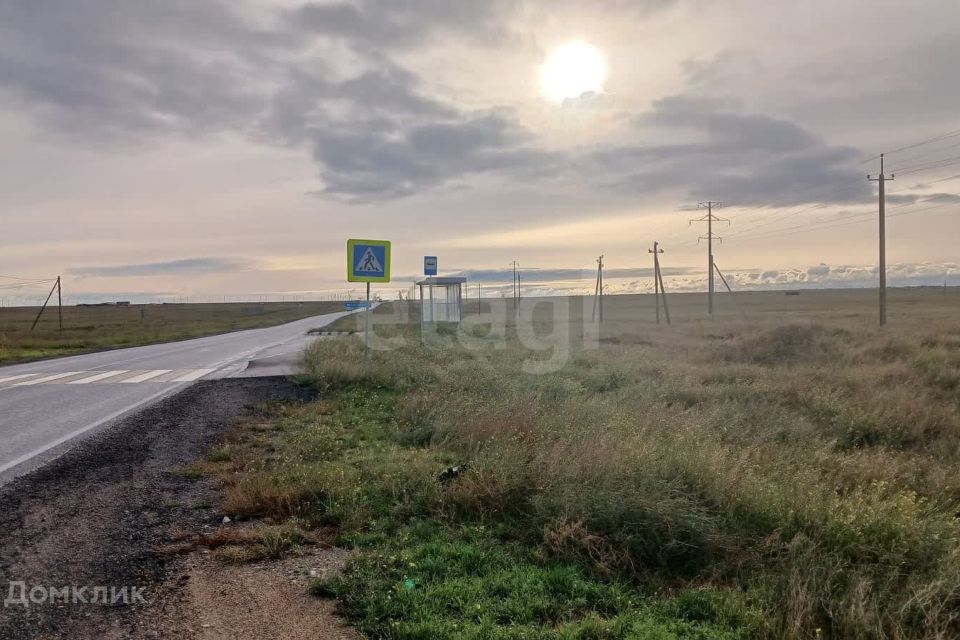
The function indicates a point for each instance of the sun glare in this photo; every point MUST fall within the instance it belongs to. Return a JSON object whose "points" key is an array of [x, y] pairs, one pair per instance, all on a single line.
{"points": [[573, 69]]}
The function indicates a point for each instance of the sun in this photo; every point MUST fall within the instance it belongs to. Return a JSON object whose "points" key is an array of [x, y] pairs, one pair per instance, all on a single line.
{"points": [[573, 69]]}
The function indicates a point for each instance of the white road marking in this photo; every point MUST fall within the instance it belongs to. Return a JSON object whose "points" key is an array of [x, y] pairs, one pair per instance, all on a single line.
{"points": [[55, 376], [100, 376], [20, 377], [146, 376], [193, 375]]}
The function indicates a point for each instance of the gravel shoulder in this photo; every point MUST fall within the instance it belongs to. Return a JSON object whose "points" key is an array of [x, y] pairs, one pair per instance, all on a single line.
{"points": [[98, 515]]}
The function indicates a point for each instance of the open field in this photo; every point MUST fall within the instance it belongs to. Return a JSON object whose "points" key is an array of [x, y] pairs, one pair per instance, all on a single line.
{"points": [[91, 328], [790, 471]]}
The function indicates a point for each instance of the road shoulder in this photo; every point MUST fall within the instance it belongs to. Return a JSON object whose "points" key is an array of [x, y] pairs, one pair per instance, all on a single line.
{"points": [[105, 514]]}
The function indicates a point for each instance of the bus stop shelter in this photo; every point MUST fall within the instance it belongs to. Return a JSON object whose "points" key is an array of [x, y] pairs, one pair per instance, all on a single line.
{"points": [[441, 299]]}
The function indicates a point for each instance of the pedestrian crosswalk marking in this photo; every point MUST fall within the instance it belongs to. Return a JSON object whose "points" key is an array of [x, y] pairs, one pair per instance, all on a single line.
{"points": [[51, 378], [103, 375], [193, 375], [141, 376], [20, 377], [146, 376]]}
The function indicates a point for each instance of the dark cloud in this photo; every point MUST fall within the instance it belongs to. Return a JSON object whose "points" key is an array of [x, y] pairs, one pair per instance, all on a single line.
{"points": [[740, 158], [115, 70], [380, 24], [397, 159], [945, 198], [118, 69], [375, 100], [903, 198], [190, 266]]}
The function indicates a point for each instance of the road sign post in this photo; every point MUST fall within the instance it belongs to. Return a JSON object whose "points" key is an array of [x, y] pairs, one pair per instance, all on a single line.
{"points": [[368, 261], [429, 269]]}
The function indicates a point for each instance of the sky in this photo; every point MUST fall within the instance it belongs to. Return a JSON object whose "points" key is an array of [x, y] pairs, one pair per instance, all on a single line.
{"points": [[170, 149]]}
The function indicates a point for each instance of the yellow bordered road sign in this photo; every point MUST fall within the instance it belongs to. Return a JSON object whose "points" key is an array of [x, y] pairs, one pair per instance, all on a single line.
{"points": [[368, 260]]}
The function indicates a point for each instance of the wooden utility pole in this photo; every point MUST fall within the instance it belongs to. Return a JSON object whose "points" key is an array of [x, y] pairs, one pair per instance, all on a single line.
{"points": [[55, 287], [60, 304], [881, 180], [709, 219], [598, 291], [658, 289]]}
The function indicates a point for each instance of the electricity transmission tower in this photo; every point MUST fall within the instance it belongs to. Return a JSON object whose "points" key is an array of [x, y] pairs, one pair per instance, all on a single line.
{"points": [[658, 289], [598, 290], [881, 180], [710, 237]]}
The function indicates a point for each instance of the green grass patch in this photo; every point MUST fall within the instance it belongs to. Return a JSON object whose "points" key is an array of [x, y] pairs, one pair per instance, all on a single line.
{"points": [[427, 580]]}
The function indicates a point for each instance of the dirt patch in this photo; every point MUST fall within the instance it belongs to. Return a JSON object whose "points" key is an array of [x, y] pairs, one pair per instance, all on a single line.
{"points": [[208, 600], [116, 512]]}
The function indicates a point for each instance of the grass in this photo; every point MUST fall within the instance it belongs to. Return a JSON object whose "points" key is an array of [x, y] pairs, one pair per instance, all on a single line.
{"points": [[95, 328], [785, 473]]}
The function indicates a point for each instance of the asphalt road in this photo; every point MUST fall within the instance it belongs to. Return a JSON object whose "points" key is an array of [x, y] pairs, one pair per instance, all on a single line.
{"points": [[45, 406]]}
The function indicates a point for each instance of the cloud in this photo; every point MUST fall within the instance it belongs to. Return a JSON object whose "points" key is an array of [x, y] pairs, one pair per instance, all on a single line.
{"points": [[397, 159], [377, 136], [190, 266], [379, 24], [134, 72], [945, 198], [326, 77], [824, 276], [739, 158], [129, 70]]}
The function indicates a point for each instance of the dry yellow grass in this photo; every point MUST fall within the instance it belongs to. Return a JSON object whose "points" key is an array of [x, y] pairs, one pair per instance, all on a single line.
{"points": [[795, 450]]}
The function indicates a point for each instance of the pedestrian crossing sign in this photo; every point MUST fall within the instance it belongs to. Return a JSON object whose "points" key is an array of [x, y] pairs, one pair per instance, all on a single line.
{"points": [[368, 260]]}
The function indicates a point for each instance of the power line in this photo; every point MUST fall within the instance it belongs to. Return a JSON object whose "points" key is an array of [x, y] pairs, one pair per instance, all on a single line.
{"points": [[748, 232], [861, 217], [919, 156], [780, 217], [927, 166], [951, 134], [28, 279]]}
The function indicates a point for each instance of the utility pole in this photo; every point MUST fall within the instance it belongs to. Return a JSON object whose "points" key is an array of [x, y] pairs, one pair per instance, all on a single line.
{"points": [[60, 304], [516, 283], [658, 289], [598, 291], [882, 179], [55, 287], [709, 219]]}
